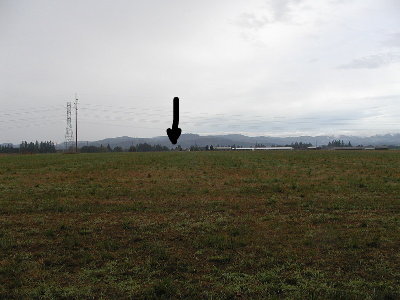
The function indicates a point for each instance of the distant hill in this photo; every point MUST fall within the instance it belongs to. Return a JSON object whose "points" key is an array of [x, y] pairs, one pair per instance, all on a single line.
{"points": [[187, 140]]}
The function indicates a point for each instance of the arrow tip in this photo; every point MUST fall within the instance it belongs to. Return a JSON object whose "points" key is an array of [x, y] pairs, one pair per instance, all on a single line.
{"points": [[174, 134]]}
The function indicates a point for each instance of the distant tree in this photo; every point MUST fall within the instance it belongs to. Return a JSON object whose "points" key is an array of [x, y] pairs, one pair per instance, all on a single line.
{"points": [[9, 148], [138, 148], [46, 147], [143, 147], [147, 148], [42, 147], [211, 147], [334, 143], [195, 148], [299, 146], [159, 148], [339, 143]]}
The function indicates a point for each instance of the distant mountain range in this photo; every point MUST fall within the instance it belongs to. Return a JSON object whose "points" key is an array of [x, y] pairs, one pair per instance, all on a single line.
{"points": [[187, 140]]}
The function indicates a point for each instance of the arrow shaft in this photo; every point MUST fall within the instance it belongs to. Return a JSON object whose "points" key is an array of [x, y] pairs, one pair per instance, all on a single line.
{"points": [[175, 122]]}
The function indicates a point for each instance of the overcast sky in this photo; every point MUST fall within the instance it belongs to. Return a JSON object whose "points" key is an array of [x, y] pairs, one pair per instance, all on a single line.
{"points": [[268, 67]]}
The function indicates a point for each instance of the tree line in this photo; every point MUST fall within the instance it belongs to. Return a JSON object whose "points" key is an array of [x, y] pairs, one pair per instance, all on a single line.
{"points": [[32, 147], [339, 143], [49, 147], [9, 148], [137, 148], [299, 146]]}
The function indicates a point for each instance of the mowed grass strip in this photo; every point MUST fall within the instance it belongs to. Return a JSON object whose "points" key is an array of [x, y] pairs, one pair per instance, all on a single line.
{"points": [[200, 225]]}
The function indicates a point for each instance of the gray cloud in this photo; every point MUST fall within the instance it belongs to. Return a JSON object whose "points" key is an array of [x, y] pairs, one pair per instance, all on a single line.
{"points": [[277, 11], [251, 21], [282, 8], [373, 61], [393, 40]]}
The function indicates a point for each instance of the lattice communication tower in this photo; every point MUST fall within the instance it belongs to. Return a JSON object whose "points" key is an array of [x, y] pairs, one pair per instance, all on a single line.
{"points": [[69, 134]]}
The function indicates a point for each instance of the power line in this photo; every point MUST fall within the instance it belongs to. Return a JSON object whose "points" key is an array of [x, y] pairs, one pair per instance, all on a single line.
{"points": [[198, 121], [30, 112], [40, 123]]}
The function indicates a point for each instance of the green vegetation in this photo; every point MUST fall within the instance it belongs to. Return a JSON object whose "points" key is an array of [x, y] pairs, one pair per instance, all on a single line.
{"points": [[339, 143], [138, 148], [25, 147], [221, 225]]}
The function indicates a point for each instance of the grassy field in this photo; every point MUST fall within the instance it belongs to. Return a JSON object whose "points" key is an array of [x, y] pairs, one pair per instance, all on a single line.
{"points": [[221, 225]]}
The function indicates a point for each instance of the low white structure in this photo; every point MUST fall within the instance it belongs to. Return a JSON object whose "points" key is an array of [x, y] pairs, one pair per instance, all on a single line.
{"points": [[274, 148], [252, 148], [263, 148], [244, 148], [348, 148], [377, 148]]}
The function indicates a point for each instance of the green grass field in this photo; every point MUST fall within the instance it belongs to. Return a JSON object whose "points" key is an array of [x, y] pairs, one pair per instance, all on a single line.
{"points": [[221, 225]]}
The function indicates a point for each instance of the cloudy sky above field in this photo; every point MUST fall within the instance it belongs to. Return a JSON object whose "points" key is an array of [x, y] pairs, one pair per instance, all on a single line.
{"points": [[267, 67]]}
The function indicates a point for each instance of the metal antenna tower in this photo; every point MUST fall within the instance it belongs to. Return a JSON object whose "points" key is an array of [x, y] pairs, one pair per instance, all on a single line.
{"points": [[69, 134]]}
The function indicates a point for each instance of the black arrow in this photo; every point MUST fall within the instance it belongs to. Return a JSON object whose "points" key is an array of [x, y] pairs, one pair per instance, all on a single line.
{"points": [[175, 132]]}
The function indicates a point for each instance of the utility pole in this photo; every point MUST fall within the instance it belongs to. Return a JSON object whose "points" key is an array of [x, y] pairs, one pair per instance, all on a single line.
{"points": [[69, 134], [76, 123]]}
